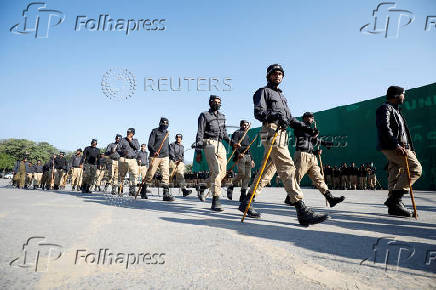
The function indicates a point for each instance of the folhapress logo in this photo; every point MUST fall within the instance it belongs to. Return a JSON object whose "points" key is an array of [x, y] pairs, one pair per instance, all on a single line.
{"points": [[388, 20], [37, 19], [37, 254]]}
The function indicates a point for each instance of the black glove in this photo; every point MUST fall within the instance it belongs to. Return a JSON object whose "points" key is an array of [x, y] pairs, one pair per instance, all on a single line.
{"points": [[273, 117], [283, 123], [311, 131]]}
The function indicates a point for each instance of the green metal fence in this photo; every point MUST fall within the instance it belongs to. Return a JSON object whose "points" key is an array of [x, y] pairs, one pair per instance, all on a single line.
{"points": [[352, 130]]}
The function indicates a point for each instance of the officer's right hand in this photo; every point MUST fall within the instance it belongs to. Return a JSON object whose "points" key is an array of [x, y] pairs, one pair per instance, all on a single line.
{"points": [[400, 150], [156, 154], [282, 123]]}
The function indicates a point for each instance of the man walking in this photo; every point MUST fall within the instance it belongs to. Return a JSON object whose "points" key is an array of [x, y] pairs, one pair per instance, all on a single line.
{"points": [[211, 131], [177, 164], [271, 108], [240, 142], [395, 143]]}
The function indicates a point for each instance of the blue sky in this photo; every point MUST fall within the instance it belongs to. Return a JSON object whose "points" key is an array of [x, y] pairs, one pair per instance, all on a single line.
{"points": [[51, 87]]}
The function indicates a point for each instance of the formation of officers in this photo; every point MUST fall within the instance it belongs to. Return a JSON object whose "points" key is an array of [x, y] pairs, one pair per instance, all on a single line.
{"points": [[125, 155], [351, 177]]}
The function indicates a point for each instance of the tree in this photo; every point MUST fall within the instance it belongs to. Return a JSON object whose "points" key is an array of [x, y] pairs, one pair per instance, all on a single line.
{"points": [[7, 162]]}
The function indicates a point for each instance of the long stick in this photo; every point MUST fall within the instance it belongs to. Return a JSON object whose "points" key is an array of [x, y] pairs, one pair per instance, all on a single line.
{"points": [[151, 163], [261, 172], [243, 152], [239, 143], [411, 190], [174, 170]]}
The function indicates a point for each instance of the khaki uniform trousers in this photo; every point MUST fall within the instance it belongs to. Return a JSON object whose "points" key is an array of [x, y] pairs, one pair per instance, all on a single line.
{"points": [[178, 175], [58, 174], [345, 181], [45, 178], [37, 179], [353, 181], [328, 180], [100, 173], [113, 173], [244, 171], [29, 178], [397, 171], [279, 161], [308, 163], [336, 181], [372, 181], [216, 157], [76, 177], [362, 182], [128, 165], [142, 171], [163, 163]]}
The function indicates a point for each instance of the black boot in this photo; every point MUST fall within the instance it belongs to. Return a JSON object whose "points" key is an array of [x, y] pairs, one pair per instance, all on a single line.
{"points": [[35, 187], [200, 192], [306, 216], [243, 195], [132, 190], [88, 189], [230, 192], [73, 187], [114, 190], [333, 200], [288, 200], [56, 187], [186, 192], [395, 204], [216, 204], [106, 186], [144, 192], [166, 194], [252, 213]]}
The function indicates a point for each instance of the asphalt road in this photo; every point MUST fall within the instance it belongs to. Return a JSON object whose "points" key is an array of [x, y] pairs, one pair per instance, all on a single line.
{"points": [[64, 239]]}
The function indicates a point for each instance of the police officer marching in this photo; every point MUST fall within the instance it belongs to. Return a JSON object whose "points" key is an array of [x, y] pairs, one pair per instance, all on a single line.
{"points": [[306, 161], [128, 150], [240, 142], [89, 164], [211, 131], [158, 139], [142, 159], [114, 156], [177, 164], [270, 107]]}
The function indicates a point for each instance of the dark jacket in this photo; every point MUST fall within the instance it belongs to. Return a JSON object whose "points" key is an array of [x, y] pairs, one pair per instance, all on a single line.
{"points": [[90, 155], [101, 163], [128, 149], [177, 152], [305, 142], [75, 161], [390, 129], [270, 106], [143, 156], [236, 137], [154, 141], [46, 167], [60, 163], [38, 168], [211, 125], [111, 151]]}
